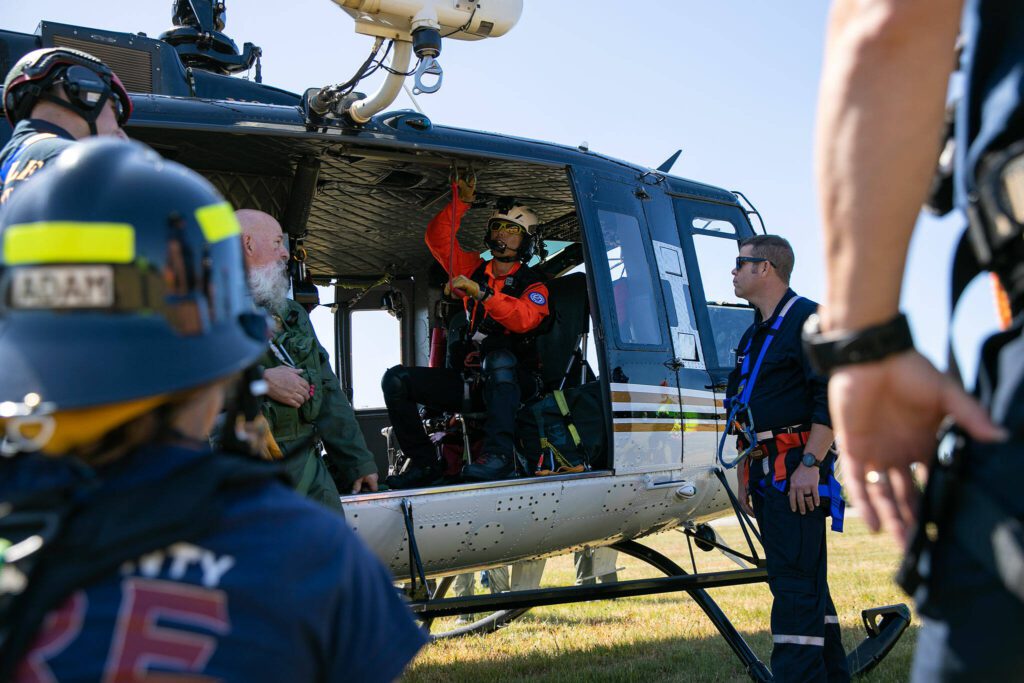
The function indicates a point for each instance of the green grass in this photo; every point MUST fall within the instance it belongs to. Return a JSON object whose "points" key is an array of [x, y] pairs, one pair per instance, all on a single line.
{"points": [[666, 637]]}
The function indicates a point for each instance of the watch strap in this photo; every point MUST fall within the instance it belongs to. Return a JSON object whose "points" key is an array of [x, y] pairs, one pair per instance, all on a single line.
{"points": [[827, 351], [804, 460]]}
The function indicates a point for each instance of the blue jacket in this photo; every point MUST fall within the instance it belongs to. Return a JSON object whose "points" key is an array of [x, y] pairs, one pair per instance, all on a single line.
{"points": [[278, 590], [33, 144]]}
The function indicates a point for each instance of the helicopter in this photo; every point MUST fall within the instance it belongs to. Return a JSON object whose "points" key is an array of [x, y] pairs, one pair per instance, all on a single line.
{"points": [[635, 326]]}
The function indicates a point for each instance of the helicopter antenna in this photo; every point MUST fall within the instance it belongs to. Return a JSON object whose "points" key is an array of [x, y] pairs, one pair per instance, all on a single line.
{"points": [[412, 98]]}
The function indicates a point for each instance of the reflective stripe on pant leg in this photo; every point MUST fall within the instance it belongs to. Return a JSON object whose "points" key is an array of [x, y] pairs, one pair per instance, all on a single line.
{"points": [[817, 641], [835, 654]]}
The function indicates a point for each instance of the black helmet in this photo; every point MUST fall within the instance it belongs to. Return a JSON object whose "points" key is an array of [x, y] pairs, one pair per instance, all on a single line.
{"points": [[121, 277], [87, 82]]}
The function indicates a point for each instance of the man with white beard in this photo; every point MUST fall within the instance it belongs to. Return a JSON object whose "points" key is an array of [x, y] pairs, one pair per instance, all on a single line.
{"points": [[305, 405]]}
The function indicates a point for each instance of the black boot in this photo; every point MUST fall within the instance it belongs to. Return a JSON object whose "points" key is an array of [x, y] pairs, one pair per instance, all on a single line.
{"points": [[417, 475], [489, 468]]}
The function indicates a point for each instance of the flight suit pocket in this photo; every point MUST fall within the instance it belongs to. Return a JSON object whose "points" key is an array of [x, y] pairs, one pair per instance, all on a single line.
{"points": [[795, 543], [284, 420]]}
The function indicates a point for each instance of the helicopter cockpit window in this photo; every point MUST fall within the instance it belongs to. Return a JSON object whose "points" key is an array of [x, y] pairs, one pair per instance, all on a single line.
{"points": [[716, 256], [632, 287]]}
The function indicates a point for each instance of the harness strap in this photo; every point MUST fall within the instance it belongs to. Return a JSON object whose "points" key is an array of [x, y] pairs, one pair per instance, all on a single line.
{"points": [[831, 489], [746, 387], [563, 408]]}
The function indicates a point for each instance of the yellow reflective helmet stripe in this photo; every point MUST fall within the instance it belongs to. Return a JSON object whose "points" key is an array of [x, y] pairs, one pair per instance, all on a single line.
{"points": [[82, 242], [68, 242], [217, 221]]}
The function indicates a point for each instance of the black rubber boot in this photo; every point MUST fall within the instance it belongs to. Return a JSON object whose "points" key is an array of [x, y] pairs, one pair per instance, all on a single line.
{"points": [[417, 475], [489, 468]]}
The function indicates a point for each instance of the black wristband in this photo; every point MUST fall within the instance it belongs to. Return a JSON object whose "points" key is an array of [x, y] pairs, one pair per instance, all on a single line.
{"points": [[486, 293], [830, 350]]}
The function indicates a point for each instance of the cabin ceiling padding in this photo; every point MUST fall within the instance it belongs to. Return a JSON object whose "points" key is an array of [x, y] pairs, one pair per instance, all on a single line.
{"points": [[370, 209]]}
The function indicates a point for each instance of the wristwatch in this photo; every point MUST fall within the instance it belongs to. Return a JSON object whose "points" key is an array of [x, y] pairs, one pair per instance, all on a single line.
{"points": [[485, 293], [810, 460], [827, 351]]}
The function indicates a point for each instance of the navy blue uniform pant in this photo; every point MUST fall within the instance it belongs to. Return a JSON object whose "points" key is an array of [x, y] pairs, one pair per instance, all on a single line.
{"points": [[806, 643], [973, 627]]}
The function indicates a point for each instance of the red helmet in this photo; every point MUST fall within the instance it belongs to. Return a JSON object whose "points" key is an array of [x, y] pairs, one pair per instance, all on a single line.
{"points": [[87, 82]]}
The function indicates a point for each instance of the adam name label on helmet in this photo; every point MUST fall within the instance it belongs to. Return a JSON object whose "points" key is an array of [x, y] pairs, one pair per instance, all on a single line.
{"points": [[63, 287]]}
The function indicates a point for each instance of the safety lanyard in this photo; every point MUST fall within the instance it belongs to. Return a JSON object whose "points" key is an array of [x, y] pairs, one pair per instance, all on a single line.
{"points": [[741, 403]]}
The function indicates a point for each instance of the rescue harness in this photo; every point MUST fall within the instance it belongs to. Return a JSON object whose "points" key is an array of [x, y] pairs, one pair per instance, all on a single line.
{"points": [[774, 443], [952, 503]]}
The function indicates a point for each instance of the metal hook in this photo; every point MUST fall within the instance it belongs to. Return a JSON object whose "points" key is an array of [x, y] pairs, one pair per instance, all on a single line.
{"points": [[428, 65]]}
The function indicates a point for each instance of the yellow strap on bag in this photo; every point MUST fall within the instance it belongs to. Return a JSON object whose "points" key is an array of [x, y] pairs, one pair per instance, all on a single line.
{"points": [[563, 408]]}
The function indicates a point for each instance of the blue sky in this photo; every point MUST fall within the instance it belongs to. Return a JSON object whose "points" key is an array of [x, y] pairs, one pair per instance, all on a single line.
{"points": [[733, 84]]}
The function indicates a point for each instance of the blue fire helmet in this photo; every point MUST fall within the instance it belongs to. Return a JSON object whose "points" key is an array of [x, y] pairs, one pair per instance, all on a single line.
{"points": [[122, 277]]}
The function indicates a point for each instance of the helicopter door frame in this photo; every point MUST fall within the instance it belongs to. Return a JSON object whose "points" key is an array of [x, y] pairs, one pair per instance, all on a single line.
{"points": [[370, 420], [646, 425], [697, 406], [687, 209]]}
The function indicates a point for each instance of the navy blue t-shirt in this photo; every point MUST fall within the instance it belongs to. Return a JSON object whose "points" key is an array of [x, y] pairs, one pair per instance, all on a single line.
{"points": [[32, 145], [787, 392], [280, 590]]}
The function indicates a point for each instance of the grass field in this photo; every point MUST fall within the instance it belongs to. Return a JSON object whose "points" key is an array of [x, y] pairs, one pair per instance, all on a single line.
{"points": [[666, 637]]}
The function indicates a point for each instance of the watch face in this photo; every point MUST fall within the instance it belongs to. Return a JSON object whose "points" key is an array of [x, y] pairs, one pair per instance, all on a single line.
{"points": [[809, 460]]}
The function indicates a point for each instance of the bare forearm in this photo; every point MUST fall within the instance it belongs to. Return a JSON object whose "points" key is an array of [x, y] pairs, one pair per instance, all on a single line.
{"points": [[819, 440], [880, 116]]}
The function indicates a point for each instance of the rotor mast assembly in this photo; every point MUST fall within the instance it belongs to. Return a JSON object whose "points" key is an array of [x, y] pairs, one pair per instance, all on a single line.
{"points": [[412, 27]]}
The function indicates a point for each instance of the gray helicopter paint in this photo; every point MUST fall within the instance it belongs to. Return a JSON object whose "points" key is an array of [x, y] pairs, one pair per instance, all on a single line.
{"points": [[463, 528]]}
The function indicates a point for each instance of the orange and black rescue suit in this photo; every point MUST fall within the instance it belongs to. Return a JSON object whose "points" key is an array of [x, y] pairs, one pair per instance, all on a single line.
{"points": [[498, 343]]}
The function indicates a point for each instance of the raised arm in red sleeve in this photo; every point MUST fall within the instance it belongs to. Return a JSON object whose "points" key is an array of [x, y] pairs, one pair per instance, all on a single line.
{"points": [[522, 314], [440, 242]]}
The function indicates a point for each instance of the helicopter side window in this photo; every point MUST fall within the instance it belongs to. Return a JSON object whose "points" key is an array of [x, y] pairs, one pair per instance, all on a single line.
{"points": [[376, 346], [632, 287], [730, 316]]}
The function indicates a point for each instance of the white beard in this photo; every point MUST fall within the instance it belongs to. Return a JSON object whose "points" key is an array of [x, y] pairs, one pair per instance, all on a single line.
{"points": [[269, 285]]}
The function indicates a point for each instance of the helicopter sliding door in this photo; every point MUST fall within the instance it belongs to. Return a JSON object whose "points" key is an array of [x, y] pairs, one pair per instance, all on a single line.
{"points": [[635, 325]]}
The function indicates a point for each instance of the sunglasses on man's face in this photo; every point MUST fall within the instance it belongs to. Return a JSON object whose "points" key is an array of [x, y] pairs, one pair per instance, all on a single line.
{"points": [[508, 227], [740, 260]]}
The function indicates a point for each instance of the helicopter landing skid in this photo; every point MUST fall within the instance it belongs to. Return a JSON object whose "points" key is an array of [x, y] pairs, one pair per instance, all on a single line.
{"points": [[884, 625]]}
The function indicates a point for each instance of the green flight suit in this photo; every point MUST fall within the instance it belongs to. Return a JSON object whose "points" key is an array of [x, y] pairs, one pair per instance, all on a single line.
{"points": [[326, 417]]}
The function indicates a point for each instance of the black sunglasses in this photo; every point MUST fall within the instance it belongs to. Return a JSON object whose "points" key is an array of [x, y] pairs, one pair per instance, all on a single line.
{"points": [[740, 260]]}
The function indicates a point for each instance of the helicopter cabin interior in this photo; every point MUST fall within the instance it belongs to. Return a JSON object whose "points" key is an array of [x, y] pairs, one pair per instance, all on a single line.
{"points": [[357, 212]]}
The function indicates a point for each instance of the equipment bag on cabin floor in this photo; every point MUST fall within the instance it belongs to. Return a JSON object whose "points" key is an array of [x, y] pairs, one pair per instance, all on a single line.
{"points": [[563, 432]]}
